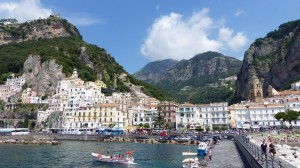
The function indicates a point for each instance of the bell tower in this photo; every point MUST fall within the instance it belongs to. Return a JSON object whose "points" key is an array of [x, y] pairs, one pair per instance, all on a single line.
{"points": [[255, 90]]}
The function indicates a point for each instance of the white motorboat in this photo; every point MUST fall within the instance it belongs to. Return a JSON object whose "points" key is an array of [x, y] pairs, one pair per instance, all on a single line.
{"points": [[202, 148], [190, 162], [121, 159]]}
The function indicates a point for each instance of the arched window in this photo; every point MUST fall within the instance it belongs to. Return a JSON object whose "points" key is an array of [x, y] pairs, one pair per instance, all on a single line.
{"points": [[258, 94]]}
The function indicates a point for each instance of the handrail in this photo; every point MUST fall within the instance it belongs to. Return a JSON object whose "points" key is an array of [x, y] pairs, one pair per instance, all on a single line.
{"points": [[256, 152]]}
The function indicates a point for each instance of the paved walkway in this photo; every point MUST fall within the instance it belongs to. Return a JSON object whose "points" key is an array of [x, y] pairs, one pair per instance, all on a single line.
{"points": [[225, 155]]}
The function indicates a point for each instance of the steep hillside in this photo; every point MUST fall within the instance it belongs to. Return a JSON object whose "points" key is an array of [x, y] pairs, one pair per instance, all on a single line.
{"points": [[47, 50], [153, 71], [49, 28], [201, 79], [274, 59], [208, 63]]}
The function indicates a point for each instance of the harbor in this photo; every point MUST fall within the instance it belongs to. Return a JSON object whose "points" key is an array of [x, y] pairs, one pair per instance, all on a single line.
{"points": [[233, 151]]}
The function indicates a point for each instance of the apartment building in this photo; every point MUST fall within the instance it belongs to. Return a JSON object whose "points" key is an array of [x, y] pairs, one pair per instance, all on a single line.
{"points": [[188, 116], [215, 115], [248, 115]]}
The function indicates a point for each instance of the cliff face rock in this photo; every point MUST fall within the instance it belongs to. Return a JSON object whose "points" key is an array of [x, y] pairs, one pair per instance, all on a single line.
{"points": [[42, 77], [200, 79], [209, 63], [38, 29], [85, 58], [275, 60], [153, 71]]}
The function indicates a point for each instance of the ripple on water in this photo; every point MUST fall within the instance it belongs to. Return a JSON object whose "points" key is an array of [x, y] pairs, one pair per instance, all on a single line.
{"points": [[75, 154]]}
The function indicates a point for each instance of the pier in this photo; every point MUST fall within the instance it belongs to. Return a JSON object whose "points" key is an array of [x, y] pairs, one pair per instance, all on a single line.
{"points": [[225, 154]]}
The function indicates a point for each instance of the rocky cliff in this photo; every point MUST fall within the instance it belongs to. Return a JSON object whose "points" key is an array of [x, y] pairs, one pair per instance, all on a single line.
{"points": [[208, 63], [153, 71], [42, 77], [190, 80], [274, 59], [49, 28]]}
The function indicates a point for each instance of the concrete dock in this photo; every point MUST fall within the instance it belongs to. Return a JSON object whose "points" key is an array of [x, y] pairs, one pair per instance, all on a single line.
{"points": [[225, 155]]}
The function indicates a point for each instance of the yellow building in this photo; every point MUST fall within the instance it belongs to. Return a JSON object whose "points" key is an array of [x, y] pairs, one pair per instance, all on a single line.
{"points": [[100, 83], [104, 114]]}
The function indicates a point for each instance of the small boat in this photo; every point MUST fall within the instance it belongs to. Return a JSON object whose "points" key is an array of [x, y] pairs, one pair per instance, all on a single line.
{"points": [[121, 159], [190, 162], [202, 148]]}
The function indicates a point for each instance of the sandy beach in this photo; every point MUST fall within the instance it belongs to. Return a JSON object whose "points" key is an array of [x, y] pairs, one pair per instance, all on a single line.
{"points": [[287, 145]]}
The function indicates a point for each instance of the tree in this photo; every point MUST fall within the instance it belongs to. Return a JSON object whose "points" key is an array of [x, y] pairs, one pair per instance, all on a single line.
{"points": [[159, 120], [25, 124], [288, 116], [111, 125], [146, 125], [141, 125]]}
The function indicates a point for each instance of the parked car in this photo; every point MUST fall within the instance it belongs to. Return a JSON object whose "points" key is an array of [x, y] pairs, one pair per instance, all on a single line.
{"points": [[172, 137]]}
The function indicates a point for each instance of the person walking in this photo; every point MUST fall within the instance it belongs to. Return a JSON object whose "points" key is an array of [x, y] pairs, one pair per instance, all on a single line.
{"points": [[272, 150], [263, 150], [209, 153]]}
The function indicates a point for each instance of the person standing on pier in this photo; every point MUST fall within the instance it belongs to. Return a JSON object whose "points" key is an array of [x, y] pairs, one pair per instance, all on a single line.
{"points": [[209, 153], [263, 150], [272, 150]]}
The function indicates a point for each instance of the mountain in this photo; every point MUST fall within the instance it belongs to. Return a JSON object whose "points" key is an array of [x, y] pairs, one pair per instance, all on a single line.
{"points": [[201, 79], [153, 71], [46, 50], [274, 59]]}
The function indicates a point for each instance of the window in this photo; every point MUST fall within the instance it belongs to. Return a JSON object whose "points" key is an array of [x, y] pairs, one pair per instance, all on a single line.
{"points": [[181, 114]]}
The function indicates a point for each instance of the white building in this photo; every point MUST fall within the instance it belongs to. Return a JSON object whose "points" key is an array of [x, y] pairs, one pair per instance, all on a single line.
{"points": [[254, 115], [144, 117], [11, 87], [215, 115], [295, 86], [42, 116], [188, 116]]}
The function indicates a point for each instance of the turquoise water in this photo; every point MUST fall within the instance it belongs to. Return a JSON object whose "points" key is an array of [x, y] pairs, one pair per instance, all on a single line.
{"points": [[78, 154]]}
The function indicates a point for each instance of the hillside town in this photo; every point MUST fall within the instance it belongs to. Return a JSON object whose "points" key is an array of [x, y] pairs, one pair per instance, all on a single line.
{"points": [[84, 105]]}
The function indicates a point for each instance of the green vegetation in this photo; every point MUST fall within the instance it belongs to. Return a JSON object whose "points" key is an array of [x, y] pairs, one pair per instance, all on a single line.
{"points": [[21, 30], [197, 90], [264, 61], [284, 29], [159, 121], [288, 116], [70, 52], [26, 122], [150, 90]]}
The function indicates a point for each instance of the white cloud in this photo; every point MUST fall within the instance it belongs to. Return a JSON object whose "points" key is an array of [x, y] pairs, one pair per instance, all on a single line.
{"points": [[23, 10], [173, 36], [239, 13], [233, 42], [83, 21]]}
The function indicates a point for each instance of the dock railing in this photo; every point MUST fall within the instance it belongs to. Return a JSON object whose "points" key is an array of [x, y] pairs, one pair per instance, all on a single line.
{"points": [[254, 156]]}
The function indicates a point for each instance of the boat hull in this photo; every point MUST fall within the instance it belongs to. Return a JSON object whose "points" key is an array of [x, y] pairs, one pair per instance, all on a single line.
{"points": [[109, 159], [190, 163], [202, 152]]}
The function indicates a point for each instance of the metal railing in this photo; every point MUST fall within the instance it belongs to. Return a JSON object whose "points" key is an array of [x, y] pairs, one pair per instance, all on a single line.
{"points": [[264, 160]]}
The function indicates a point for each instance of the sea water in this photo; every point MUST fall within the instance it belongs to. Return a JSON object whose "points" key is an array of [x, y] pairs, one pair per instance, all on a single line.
{"points": [[77, 154]]}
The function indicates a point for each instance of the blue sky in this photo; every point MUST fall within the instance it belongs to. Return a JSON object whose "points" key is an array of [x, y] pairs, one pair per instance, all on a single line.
{"points": [[137, 32]]}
